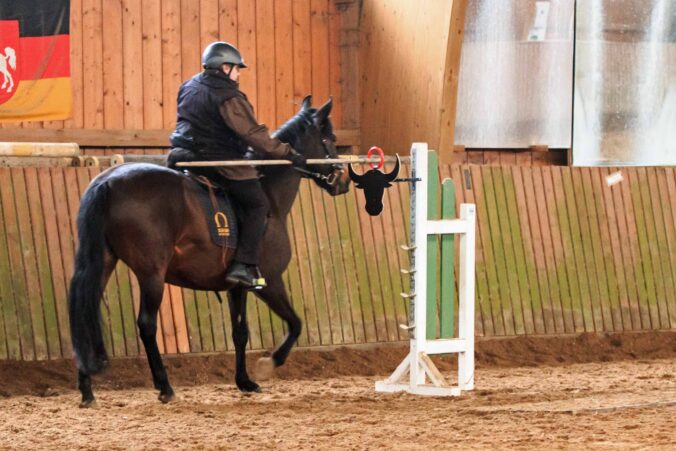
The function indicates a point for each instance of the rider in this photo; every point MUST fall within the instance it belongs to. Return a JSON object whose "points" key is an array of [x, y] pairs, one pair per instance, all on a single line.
{"points": [[217, 122]]}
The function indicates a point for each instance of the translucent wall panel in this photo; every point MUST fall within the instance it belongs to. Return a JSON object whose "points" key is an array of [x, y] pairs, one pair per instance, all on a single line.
{"points": [[515, 86], [625, 83]]}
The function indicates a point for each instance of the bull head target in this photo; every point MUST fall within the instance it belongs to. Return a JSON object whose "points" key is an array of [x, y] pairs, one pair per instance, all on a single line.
{"points": [[374, 182]]}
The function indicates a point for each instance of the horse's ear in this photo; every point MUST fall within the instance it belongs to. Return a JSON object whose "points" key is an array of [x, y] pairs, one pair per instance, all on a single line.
{"points": [[307, 103], [323, 112]]}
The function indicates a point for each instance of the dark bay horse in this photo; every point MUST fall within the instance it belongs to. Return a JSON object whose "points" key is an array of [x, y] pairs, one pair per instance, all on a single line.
{"points": [[148, 217]]}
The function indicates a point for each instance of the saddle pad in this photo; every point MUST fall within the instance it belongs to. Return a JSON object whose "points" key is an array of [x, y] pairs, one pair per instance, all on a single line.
{"points": [[223, 221]]}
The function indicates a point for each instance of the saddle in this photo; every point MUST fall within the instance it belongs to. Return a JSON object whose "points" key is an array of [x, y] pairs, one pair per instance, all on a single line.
{"points": [[218, 210]]}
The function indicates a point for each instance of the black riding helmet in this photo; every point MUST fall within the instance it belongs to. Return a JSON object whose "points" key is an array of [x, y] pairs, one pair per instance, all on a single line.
{"points": [[218, 53]]}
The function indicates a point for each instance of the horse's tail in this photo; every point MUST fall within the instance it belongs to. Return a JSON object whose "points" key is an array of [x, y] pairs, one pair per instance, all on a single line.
{"points": [[86, 287], [11, 57]]}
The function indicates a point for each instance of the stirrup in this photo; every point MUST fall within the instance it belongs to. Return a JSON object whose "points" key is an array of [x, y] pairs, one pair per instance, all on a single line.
{"points": [[259, 283], [255, 284], [248, 280]]}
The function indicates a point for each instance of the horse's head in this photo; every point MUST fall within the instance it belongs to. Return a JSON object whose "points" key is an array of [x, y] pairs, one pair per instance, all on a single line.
{"points": [[310, 133]]}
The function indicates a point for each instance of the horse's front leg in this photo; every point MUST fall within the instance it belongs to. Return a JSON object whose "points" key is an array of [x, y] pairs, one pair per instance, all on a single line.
{"points": [[240, 337], [278, 300]]}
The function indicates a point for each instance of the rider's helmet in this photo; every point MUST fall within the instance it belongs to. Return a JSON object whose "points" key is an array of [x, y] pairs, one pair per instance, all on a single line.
{"points": [[218, 53]]}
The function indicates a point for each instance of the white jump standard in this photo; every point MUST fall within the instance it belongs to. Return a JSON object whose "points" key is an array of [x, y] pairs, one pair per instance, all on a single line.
{"points": [[417, 365]]}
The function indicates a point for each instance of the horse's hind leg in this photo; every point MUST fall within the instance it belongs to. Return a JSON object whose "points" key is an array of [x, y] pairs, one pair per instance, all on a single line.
{"points": [[152, 288], [240, 337], [84, 380], [278, 300]]}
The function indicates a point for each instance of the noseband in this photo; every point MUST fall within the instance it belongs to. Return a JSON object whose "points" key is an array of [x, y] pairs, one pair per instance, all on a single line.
{"points": [[337, 169]]}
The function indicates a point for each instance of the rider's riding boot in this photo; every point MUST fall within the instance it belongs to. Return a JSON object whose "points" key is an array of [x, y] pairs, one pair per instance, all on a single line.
{"points": [[246, 276], [238, 274]]}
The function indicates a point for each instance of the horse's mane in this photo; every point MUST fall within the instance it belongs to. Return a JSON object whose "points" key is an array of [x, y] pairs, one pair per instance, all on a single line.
{"points": [[294, 127]]}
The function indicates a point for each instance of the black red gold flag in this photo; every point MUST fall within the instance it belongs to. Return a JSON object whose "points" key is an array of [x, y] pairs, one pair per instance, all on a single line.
{"points": [[34, 60]]}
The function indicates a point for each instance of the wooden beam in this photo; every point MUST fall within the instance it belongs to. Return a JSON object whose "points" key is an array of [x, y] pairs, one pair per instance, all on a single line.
{"points": [[350, 37], [450, 84], [122, 137], [90, 137], [37, 162], [38, 149]]}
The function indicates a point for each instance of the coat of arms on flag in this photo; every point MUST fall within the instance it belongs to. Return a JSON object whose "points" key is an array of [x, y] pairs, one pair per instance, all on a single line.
{"points": [[34, 60]]}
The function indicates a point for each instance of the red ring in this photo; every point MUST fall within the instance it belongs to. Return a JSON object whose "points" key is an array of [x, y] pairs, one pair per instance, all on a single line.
{"points": [[380, 153]]}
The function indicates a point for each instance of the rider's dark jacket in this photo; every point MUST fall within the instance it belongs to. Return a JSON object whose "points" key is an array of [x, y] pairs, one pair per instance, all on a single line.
{"points": [[216, 122]]}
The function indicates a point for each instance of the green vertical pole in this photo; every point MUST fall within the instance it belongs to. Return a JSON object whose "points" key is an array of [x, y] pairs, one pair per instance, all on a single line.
{"points": [[447, 308], [432, 246]]}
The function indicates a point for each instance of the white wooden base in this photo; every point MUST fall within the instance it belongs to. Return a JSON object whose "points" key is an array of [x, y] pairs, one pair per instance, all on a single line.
{"points": [[425, 390], [401, 379]]}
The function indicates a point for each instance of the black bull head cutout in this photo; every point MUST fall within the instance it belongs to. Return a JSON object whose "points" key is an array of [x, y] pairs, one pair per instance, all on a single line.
{"points": [[374, 182]]}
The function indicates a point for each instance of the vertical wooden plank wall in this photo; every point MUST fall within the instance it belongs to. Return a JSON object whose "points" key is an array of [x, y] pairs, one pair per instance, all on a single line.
{"points": [[403, 59], [128, 57], [558, 251]]}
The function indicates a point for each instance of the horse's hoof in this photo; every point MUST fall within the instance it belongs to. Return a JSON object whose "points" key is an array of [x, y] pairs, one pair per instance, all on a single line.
{"points": [[249, 386], [167, 397], [89, 404], [265, 368]]}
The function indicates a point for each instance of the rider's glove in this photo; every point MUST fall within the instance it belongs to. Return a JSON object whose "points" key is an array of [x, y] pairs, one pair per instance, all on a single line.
{"points": [[297, 159]]}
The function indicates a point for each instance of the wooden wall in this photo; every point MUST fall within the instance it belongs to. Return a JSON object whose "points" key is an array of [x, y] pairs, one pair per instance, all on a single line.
{"points": [[405, 75], [342, 277], [384, 62], [561, 252], [533, 156], [128, 58], [558, 251]]}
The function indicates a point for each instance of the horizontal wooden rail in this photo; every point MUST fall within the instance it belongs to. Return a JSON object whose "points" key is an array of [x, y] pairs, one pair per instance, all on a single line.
{"points": [[38, 149], [122, 137]]}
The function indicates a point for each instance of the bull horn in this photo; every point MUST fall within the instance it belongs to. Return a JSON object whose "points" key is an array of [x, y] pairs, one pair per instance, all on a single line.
{"points": [[395, 172], [353, 175]]}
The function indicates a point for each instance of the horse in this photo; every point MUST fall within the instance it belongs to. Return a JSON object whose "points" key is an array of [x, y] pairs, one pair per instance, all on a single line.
{"points": [[148, 216]]}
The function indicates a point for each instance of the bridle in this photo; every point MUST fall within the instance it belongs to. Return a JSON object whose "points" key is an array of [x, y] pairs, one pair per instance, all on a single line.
{"points": [[302, 121], [337, 169]]}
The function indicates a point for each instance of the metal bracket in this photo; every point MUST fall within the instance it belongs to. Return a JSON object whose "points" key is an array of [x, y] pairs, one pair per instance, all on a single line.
{"points": [[408, 179]]}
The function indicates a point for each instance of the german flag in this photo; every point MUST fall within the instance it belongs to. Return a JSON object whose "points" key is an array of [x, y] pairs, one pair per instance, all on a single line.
{"points": [[34, 60]]}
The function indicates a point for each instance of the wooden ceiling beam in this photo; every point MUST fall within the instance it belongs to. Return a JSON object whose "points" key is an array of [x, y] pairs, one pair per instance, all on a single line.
{"points": [[121, 137]]}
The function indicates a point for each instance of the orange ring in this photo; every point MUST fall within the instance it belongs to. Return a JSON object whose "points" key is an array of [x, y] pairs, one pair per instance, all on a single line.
{"points": [[380, 153]]}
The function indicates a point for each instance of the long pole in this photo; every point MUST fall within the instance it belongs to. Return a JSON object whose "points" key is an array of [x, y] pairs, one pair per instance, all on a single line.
{"points": [[344, 160]]}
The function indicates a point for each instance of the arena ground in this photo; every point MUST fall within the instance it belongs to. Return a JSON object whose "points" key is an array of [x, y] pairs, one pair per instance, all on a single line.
{"points": [[585, 392]]}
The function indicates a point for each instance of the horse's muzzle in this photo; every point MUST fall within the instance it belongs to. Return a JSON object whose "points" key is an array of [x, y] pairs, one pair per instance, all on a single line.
{"points": [[339, 182]]}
